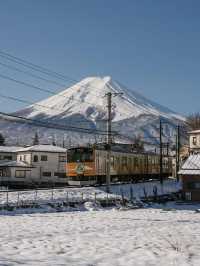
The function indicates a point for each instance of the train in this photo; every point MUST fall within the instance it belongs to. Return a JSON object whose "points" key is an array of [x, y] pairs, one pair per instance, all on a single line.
{"points": [[87, 166]]}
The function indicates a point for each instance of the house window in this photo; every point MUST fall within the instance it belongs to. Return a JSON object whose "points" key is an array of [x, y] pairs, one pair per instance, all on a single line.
{"points": [[61, 175], [8, 157], [193, 185], [44, 158], [46, 174], [62, 159], [20, 158], [35, 158], [20, 173], [194, 140]]}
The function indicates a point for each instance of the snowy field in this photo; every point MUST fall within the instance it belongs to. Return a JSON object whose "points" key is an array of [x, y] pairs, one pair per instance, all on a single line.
{"points": [[160, 235]]}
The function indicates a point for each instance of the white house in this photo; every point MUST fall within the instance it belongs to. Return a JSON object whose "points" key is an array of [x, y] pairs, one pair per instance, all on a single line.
{"points": [[38, 165], [9, 152], [194, 141]]}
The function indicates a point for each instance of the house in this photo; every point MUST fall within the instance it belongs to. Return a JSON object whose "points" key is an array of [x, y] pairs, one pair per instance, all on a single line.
{"points": [[9, 152], [38, 165], [16, 174], [190, 177], [194, 141]]}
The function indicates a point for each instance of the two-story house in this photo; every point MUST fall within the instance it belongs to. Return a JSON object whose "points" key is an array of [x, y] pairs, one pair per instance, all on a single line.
{"points": [[190, 170], [38, 165], [194, 141]]}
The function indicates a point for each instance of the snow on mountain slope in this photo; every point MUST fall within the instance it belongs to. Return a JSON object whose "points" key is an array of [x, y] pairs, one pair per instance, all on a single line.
{"points": [[88, 99], [85, 105]]}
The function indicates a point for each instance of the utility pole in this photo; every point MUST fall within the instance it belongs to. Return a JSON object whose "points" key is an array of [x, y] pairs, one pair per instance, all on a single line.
{"points": [[109, 137], [161, 153], [109, 140], [177, 152], [167, 148]]}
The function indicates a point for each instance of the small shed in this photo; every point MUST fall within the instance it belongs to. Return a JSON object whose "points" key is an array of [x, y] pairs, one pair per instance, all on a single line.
{"points": [[190, 177]]}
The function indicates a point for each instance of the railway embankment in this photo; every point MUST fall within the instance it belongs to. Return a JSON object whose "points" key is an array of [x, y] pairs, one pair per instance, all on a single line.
{"points": [[128, 196]]}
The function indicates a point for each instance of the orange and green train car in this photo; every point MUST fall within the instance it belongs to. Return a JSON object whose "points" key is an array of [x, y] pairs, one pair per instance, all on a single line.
{"points": [[87, 165]]}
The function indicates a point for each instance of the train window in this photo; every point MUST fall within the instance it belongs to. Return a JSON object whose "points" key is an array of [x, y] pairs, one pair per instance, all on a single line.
{"points": [[124, 161], [112, 160], [80, 155], [117, 161], [130, 163], [136, 162]]}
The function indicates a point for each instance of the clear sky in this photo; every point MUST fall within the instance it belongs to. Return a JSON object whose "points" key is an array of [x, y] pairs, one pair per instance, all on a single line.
{"points": [[151, 46]]}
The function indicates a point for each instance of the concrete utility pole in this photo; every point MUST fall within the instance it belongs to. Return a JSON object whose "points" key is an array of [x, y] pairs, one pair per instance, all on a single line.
{"points": [[109, 137], [161, 153], [177, 151]]}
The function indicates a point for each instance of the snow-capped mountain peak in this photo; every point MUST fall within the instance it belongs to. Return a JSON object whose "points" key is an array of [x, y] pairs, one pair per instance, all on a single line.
{"points": [[87, 98]]}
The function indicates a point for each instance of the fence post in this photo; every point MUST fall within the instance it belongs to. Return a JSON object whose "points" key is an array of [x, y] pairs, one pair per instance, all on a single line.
{"points": [[95, 195], [155, 192], [145, 192], [67, 198], [122, 195], [107, 199], [131, 193], [35, 195], [7, 199], [18, 199], [82, 196], [52, 194]]}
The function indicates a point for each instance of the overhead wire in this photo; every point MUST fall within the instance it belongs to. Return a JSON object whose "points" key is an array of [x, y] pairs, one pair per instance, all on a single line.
{"points": [[21, 119], [17, 99]]}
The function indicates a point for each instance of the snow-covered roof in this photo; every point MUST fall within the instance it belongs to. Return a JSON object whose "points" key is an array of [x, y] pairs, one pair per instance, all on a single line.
{"points": [[44, 148], [191, 166], [14, 164], [194, 131], [10, 148]]}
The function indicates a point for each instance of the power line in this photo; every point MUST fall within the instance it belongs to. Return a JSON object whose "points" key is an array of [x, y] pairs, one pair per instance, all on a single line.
{"points": [[41, 69], [38, 88], [16, 99], [21, 119], [31, 75]]}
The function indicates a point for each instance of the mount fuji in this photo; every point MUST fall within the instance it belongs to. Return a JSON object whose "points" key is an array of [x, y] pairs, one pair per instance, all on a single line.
{"points": [[84, 105]]}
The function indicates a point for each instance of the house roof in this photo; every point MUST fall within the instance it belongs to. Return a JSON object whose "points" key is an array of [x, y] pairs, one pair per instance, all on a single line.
{"points": [[10, 149], [7, 163], [191, 166], [44, 148], [194, 131]]}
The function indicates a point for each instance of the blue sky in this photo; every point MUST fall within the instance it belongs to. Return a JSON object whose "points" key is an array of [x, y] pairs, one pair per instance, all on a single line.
{"points": [[151, 46]]}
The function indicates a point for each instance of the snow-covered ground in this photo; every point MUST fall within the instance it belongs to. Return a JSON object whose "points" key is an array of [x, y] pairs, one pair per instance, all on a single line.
{"points": [[160, 235]]}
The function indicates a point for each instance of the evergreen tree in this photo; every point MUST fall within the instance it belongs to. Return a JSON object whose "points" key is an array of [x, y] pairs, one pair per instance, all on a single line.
{"points": [[36, 139], [54, 140], [2, 140]]}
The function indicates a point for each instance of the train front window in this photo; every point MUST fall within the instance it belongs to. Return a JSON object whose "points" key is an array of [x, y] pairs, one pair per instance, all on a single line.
{"points": [[79, 155]]}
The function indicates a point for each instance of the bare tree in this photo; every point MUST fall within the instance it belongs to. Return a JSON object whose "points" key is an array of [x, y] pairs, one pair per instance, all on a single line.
{"points": [[193, 121], [138, 144]]}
